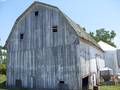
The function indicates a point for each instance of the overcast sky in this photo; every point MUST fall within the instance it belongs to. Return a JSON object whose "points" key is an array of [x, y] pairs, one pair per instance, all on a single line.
{"points": [[91, 14]]}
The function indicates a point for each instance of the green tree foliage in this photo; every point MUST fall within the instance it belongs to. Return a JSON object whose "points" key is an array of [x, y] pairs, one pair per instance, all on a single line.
{"points": [[0, 52], [3, 53], [104, 35], [2, 68]]}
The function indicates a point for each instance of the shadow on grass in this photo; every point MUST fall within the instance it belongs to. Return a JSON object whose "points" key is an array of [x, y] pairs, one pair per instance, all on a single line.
{"points": [[3, 87]]}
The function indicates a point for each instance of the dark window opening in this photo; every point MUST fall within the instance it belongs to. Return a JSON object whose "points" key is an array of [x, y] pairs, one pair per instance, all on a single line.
{"points": [[62, 82], [36, 13], [18, 83], [21, 36], [54, 28]]}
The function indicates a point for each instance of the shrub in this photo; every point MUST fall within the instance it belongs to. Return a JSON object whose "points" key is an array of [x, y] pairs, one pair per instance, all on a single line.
{"points": [[3, 69]]}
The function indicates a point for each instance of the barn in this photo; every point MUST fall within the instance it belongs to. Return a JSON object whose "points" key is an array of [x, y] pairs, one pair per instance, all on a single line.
{"points": [[47, 50]]}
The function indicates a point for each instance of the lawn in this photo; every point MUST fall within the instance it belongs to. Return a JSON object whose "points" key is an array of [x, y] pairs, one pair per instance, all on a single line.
{"points": [[117, 87]]}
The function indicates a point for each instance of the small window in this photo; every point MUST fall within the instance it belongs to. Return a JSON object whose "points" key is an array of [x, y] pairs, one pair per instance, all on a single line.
{"points": [[36, 13], [21, 36], [61, 82], [54, 28], [18, 83]]}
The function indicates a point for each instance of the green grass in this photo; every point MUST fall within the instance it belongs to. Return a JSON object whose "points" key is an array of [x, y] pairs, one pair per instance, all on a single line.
{"points": [[117, 87]]}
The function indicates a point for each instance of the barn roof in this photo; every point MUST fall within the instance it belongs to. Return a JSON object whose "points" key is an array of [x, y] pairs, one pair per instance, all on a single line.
{"points": [[106, 47], [80, 32]]}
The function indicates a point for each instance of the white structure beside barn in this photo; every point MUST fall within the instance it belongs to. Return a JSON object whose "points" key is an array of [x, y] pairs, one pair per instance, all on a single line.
{"points": [[47, 50], [118, 60], [112, 57]]}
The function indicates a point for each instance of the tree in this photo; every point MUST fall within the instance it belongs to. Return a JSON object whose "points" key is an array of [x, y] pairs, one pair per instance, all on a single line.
{"points": [[0, 53], [2, 68], [104, 35], [3, 55]]}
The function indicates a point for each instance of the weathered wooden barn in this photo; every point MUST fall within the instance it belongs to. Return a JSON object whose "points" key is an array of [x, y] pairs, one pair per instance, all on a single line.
{"points": [[47, 50]]}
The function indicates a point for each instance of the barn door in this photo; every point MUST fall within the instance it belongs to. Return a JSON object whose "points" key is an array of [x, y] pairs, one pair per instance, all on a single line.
{"points": [[85, 83]]}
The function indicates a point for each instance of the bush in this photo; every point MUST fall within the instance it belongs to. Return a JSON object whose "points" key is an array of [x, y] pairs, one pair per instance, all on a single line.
{"points": [[3, 69]]}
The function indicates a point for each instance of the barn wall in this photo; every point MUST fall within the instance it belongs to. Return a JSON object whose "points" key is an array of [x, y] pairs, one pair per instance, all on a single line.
{"points": [[96, 64], [43, 58], [90, 56], [90, 60]]}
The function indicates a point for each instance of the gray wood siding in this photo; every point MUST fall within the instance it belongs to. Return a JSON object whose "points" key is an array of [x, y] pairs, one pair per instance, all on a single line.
{"points": [[88, 63], [43, 57]]}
